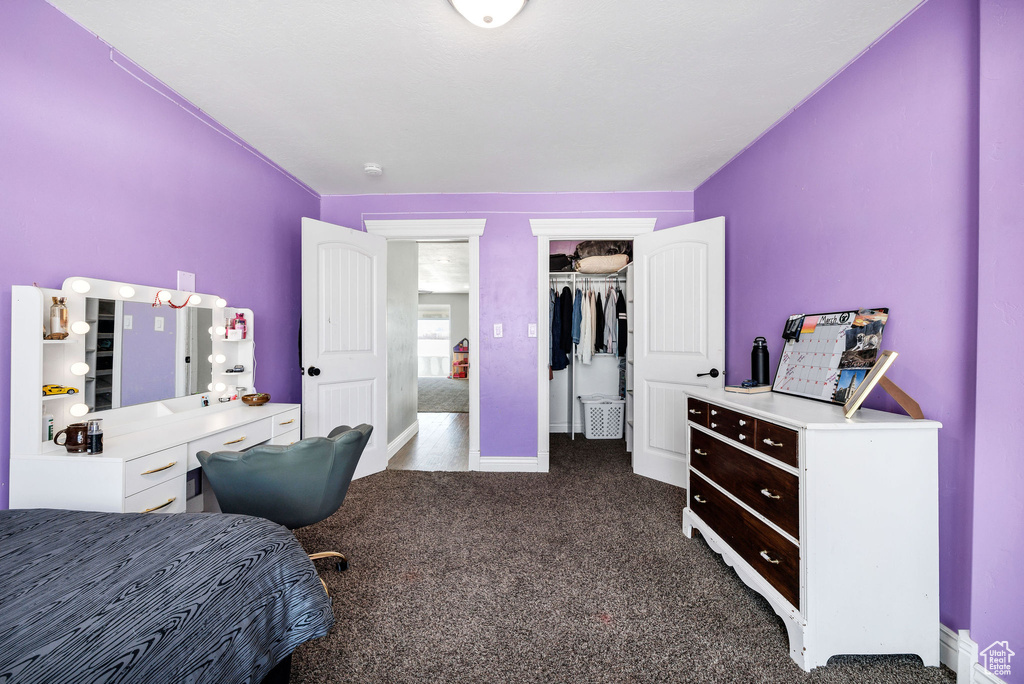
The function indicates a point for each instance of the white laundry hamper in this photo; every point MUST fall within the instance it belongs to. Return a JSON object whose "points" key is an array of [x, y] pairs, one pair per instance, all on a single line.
{"points": [[603, 416]]}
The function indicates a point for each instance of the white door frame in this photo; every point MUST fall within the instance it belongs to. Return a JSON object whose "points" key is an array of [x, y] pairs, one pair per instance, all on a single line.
{"points": [[451, 229], [547, 230]]}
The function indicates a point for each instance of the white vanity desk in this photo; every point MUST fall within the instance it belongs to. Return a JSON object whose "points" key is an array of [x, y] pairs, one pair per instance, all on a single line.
{"points": [[125, 343]]}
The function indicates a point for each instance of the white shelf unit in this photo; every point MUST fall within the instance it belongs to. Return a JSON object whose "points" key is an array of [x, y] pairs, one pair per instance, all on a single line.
{"points": [[629, 366], [235, 352]]}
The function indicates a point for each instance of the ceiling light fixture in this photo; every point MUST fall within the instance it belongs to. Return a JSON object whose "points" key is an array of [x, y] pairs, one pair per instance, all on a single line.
{"points": [[372, 169], [488, 13]]}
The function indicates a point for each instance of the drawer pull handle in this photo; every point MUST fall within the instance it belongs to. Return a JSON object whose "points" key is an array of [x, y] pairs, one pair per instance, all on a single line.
{"points": [[742, 423], [742, 437], [714, 425], [695, 412], [287, 422], [163, 505], [773, 561], [698, 499], [235, 441], [769, 442], [700, 453], [157, 470], [714, 412], [769, 494]]}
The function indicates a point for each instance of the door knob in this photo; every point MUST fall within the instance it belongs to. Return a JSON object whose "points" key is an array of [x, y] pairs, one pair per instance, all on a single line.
{"points": [[713, 373], [313, 371]]}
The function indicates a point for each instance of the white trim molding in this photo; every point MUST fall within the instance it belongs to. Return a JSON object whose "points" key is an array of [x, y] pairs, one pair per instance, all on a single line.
{"points": [[401, 440], [547, 230], [469, 230], [508, 464], [959, 653], [427, 229]]}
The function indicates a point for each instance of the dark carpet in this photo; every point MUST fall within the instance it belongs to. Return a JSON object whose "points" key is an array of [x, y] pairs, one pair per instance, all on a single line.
{"points": [[443, 395], [579, 575]]}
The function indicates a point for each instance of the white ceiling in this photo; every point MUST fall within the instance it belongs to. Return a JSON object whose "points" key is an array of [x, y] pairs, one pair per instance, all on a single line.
{"points": [[443, 267], [571, 95]]}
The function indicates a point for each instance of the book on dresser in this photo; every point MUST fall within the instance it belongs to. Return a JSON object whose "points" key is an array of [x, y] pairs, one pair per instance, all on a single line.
{"points": [[833, 520]]}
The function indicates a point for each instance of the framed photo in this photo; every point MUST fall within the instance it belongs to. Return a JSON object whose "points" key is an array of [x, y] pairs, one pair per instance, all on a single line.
{"points": [[859, 387]]}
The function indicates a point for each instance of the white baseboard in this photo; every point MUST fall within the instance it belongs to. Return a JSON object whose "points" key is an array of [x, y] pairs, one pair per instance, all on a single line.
{"points": [[474, 459], [508, 464], [959, 652], [563, 427], [401, 440], [543, 460]]}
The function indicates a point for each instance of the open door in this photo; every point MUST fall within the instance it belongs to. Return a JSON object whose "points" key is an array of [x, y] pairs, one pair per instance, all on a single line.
{"points": [[678, 338], [344, 337]]}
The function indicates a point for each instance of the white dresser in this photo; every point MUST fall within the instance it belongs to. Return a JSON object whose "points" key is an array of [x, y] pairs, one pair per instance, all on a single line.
{"points": [[833, 521]]}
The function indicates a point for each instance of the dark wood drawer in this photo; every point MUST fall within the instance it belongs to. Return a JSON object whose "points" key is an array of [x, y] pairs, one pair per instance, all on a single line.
{"points": [[770, 491], [770, 554], [776, 441], [697, 411], [733, 425]]}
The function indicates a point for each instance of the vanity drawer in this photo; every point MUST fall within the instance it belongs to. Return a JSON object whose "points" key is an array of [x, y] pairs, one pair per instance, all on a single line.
{"points": [[697, 411], [286, 438], [166, 497], [733, 425], [287, 421], [151, 469], [233, 439], [770, 491], [769, 553], [776, 441]]}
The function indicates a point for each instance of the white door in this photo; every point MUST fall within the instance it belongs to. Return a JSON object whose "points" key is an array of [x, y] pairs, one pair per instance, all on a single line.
{"points": [[678, 338], [344, 336]]}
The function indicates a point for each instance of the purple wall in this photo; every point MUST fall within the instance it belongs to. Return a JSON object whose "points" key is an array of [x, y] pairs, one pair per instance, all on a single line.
{"points": [[865, 195], [998, 591], [508, 283], [109, 176]]}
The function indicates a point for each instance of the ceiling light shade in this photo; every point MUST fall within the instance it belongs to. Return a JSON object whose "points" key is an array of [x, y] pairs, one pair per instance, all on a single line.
{"points": [[488, 13]]}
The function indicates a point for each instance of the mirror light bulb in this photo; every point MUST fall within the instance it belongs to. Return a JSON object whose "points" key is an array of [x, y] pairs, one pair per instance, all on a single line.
{"points": [[220, 386], [210, 358], [126, 291], [79, 368], [195, 300], [81, 287], [210, 330], [78, 410], [221, 302], [163, 296], [221, 330], [210, 387], [220, 358], [80, 327]]}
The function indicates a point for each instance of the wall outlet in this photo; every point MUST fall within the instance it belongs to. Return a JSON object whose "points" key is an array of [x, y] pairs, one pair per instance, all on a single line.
{"points": [[498, 330], [127, 324], [158, 324], [531, 330]]}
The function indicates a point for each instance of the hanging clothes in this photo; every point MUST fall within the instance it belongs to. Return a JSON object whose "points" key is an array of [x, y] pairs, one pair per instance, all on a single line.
{"points": [[565, 307], [593, 321], [577, 316], [585, 348], [558, 358], [611, 325], [620, 313], [598, 324]]}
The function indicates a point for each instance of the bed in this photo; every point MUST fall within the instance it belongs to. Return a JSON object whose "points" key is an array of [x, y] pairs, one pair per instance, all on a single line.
{"points": [[107, 597]]}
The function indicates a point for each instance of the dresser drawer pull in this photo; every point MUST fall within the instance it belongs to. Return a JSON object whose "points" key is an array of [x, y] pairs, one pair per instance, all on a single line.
{"points": [[700, 453], [714, 425], [235, 441], [773, 561], [769, 494], [157, 470], [287, 422], [769, 442], [163, 505], [742, 437], [695, 412], [698, 499], [742, 423], [714, 412]]}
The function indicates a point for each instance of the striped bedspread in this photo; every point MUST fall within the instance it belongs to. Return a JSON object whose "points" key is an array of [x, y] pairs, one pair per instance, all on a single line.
{"points": [[106, 597]]}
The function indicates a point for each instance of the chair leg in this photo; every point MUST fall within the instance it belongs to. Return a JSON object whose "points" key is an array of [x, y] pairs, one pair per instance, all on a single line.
{"points": [[341, 565]]}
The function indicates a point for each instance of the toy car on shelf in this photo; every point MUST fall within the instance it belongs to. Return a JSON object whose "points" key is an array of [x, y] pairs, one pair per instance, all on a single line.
{"points": [[51, 390]]}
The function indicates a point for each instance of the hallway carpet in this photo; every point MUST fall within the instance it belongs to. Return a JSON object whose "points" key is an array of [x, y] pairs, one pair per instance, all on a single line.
{"points": [[443, 395], [579, 575]]}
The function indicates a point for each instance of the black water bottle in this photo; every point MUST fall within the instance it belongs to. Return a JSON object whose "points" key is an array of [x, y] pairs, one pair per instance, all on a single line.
{"points": [[759, 361]]}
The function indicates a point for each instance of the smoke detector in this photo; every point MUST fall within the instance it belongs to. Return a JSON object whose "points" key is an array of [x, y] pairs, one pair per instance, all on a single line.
{"points": [[372, 169]]}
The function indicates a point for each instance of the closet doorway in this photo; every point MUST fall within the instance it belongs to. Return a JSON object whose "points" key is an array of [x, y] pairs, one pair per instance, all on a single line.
{"points": [[438, 392]]}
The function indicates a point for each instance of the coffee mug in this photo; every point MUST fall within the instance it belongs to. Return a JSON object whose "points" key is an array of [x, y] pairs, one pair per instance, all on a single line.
{"points": [[74, 438]]}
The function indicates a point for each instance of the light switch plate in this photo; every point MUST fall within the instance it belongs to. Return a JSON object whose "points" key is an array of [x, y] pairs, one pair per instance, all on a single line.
{"points": [[531, 330], [127, 325], [498, 330], [158, 323]]}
